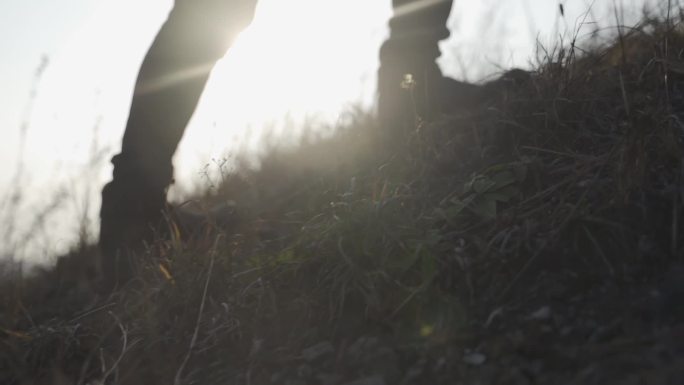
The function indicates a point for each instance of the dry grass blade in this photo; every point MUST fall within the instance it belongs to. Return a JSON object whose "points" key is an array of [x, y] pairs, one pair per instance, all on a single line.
{"points": [[212, 256]]}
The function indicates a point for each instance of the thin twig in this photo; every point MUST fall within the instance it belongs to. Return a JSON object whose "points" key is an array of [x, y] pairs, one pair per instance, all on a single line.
{"points": [[90, 312], [124, 347], [212, 257]]}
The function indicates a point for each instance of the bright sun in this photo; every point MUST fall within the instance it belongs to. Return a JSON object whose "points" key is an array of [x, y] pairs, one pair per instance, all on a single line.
{"points": [[299, 59], [300, 56]]}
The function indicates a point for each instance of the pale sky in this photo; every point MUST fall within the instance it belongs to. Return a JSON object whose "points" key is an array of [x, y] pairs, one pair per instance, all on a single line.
{"points": [[94, 48]]}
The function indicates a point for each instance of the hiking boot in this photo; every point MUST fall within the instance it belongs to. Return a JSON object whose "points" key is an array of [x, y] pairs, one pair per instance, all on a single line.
{"points": [[132, 214], [130, 217], [411, 86], [409, 94], [135, 214]]}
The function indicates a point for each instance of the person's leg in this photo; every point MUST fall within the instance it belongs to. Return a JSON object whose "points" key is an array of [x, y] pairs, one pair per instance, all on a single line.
{"points": [[416, 28], [170, 82]]}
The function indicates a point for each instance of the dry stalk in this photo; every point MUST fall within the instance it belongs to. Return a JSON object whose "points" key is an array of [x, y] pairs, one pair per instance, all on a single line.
{"points": [[193, 341]]}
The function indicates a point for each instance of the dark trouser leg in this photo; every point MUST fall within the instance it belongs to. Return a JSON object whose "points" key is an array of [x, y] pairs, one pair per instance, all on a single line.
{"points": [[412, 48], [170, 82]]}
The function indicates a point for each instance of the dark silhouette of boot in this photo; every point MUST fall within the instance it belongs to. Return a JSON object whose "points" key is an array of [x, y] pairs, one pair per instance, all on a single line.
{"points": [[132, 215], [411, 87], [135, 214], [409, 93], [128, 220]]}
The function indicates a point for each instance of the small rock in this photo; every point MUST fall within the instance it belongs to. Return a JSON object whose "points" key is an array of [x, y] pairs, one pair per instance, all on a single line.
{"points": [[475, 359], [317, 351], [372, 380], [543, 314]]}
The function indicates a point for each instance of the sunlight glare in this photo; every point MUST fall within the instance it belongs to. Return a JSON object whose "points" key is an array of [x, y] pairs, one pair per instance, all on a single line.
{"points": [[298, 60], [295, 62]]}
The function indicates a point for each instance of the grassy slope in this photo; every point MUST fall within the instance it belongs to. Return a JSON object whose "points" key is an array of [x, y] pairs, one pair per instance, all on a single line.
{"points": [[531, 239]]}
